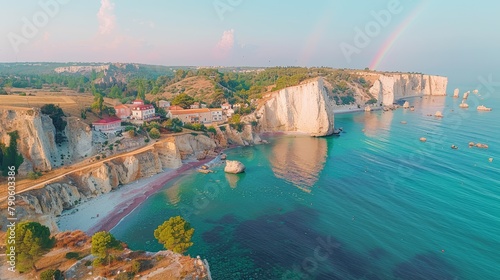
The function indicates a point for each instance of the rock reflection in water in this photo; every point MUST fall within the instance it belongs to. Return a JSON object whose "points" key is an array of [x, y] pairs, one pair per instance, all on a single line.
{"points": [[299, 160]]}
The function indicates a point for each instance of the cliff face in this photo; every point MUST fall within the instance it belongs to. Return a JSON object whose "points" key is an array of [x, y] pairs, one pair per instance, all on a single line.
{"points": [[305, 108], [45, 204], [37, 136], [391, 87]]}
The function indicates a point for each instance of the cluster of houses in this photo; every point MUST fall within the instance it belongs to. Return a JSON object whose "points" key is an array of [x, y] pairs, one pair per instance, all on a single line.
{"points": [[138, 112]]}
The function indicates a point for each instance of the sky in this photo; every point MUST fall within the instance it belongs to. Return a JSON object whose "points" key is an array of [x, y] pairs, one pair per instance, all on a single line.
{"points": [[461, 41]]}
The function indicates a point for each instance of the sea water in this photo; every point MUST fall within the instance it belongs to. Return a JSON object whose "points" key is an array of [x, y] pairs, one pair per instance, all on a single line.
{"points": [[372, 203]]}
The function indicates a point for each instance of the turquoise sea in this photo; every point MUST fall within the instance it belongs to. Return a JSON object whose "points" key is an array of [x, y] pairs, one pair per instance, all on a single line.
{"points": [[373, 203]]}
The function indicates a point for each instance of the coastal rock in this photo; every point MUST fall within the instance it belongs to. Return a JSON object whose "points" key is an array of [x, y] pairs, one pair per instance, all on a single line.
{"points": [[490, 159], [368, 109], [471, 144], [234, 166], [482, 146], [438, 114], [404, 122], [390, 87], [305, 108], [406, 105], [466, 95], [423, 139], [456, 93], [189, 144]]}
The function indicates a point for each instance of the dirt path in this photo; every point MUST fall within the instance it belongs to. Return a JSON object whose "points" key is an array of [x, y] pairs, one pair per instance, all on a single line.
{"points": [[56, 174]]}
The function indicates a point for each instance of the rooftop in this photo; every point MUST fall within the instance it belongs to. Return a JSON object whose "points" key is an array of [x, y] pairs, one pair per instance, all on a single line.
{"points": [[108, 120]]}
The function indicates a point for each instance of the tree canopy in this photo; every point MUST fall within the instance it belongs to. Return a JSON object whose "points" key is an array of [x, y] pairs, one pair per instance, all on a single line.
{"points": [[183, 100], [102, 242], [32, 240], [175, 234], [9, 156]]}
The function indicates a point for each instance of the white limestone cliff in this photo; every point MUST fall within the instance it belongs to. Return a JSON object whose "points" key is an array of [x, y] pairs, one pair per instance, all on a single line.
{"points": [[393, 86], [305, 108]]}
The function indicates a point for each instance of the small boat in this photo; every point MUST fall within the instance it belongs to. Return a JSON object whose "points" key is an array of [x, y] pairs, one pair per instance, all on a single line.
{"points": [[483, 108]]}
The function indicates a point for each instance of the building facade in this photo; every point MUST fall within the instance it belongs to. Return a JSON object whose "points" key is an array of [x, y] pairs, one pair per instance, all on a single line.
{"points": [[122, 111], [143, 112], [111, 124]]}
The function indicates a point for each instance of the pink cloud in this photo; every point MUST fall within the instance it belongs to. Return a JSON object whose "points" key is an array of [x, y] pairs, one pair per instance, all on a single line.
{"points": [[226, 43], [106, 17]]}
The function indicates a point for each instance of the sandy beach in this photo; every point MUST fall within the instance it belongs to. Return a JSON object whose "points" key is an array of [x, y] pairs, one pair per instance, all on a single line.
{"points": [[106, 211]]}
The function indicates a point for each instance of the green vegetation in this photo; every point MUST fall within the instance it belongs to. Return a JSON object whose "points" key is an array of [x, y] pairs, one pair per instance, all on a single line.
{"points": [[183, 100], [195, 126], [154, 133], [34, 175], [72, 255], [235, 122], [174, 125], [102, 244], [212, 130], [51, 274], [9, 155], [32, 240], [56, 114], [371, 101], [175, 234]]}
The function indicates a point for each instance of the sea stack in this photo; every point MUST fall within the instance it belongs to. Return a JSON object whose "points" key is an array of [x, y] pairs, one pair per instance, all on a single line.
{"points": [[456, 93], [466, 95]]}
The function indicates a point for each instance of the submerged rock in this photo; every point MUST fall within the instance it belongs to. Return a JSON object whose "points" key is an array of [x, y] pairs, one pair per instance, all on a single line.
{"points": [[234, 166], [482, 146]]}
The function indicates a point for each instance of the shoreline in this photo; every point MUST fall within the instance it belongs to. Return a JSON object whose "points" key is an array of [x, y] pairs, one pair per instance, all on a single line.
{"points": [[104, 212]]}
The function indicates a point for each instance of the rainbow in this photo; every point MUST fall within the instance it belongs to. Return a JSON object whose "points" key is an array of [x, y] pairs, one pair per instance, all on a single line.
{"points": [[387, 45]]}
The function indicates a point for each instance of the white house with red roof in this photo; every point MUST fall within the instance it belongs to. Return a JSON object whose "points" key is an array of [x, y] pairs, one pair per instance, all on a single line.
{"points": [[143, 112], [107, 125]]}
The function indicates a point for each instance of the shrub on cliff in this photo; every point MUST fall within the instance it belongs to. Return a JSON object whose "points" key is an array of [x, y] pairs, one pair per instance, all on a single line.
{"points": [[31, 240], [175, 234], [51, 274], [154, 133]]}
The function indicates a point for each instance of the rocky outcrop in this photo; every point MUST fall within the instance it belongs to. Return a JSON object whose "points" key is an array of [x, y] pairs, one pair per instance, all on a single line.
{"points": [[79, 136], [234, 167], [45, 204], [393, 86], [36, 137], [306, 108]]}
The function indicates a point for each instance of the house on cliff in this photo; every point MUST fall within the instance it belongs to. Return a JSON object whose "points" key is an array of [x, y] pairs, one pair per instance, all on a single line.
{"points": [[108, 125]]}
